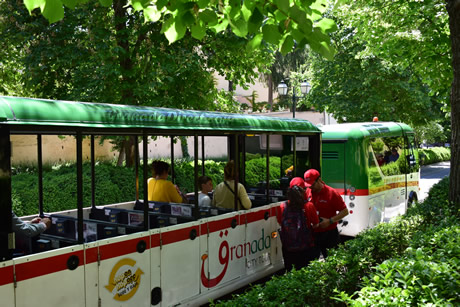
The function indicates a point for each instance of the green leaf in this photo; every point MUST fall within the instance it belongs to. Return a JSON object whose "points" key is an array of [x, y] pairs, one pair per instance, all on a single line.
{"points": [[33, 4], [209, 17], [187, 18], [152, 14], [167, 24], [306, 27], [254, 43], [53, 10], [283, 5], [176, 31], [198, 31], [70, 3], [161, 4], [271, 34], [240, 27], [246, 12], [105, 3], [320, 6], [287, 44], [203, 3], [298, 15], [139, 5], [255, 21], [326, 25], [220, 26]]}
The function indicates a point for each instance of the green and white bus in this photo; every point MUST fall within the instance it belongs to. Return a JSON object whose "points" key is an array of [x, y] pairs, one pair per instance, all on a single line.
{"points": [[357, 161]]}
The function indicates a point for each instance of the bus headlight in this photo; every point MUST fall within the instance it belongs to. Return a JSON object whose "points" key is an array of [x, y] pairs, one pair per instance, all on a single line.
{"points": [[351, 205], [352, 197]]}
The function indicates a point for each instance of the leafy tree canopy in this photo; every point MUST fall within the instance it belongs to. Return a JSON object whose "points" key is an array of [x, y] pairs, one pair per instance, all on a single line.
{"points": [[283, 23], [406, 34]]}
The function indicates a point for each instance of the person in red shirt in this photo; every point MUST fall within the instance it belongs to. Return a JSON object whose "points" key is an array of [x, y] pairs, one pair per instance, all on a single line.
{"points": [[330, 207], [296, 201]]}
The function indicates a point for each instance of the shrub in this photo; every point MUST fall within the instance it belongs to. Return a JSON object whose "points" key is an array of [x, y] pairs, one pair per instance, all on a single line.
{"points": [[433, 155]]}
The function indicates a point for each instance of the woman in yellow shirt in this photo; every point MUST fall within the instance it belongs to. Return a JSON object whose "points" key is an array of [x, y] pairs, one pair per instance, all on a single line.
{"points": [[160, 189]]}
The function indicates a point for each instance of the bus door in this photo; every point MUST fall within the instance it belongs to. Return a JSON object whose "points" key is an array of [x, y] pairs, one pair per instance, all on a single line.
{"points": [[180, 270], [333, 165], [412, 169]]}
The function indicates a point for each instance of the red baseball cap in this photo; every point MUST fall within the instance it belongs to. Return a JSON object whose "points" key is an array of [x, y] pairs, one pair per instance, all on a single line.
{"points": [[298, 182], [310, 177]]}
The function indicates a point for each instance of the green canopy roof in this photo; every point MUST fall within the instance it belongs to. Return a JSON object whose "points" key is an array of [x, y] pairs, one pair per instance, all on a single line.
{"points": [[27, 111], [365, 129]]}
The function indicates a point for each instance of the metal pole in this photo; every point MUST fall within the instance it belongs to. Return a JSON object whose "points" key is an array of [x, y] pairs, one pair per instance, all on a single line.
{"points": [[40, 174], [195, 172], [93, 174], [173, 175], [7, 239], [294, 104], [145, 154], [81, 239], [267, 191], [136, 164]]}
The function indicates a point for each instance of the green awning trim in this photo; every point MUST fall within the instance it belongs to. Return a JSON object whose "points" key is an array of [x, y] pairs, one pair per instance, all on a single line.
{"points": [[27, 111]]}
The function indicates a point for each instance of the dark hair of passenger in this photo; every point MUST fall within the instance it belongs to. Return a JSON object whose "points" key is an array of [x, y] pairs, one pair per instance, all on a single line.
{"points": [[159, 167], [295, 197], [203, 180], [229, 170]]}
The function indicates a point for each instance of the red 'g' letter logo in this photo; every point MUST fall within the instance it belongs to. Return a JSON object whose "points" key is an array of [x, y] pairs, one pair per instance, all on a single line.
{"points": [[223, 259]]}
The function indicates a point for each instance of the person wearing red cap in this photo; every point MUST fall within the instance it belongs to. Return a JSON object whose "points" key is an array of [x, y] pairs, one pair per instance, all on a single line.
{"points": [[331, 209], [298, 181], [296, 202]]}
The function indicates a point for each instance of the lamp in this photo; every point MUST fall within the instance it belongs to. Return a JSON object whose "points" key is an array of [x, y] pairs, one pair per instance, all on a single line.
{"points": [[304, 89]]}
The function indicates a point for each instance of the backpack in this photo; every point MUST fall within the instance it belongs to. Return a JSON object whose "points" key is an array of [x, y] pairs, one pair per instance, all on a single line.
{"points": [[294, 233]]}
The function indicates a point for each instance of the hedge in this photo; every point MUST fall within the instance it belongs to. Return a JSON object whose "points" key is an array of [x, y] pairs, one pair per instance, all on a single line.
{"points": [[352, 273], [433, 155]]}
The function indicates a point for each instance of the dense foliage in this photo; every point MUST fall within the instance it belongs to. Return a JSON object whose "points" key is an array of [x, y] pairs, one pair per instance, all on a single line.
{"points": [[401, 257], [433, 155]]}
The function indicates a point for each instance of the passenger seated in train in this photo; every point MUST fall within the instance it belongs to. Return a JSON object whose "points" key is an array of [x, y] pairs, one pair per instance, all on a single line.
{"points": [[205, 185], [26, 230], [160, 189], [30, 229], [224, 194]]}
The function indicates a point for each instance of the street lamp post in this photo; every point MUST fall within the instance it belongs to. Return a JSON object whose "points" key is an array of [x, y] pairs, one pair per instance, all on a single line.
{"points": [[304, 89]]}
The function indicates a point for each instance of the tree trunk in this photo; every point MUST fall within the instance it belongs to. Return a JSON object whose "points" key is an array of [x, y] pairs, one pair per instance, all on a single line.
{"points": [[124, 58], [121, 156], [129, 151], [453, 8]]}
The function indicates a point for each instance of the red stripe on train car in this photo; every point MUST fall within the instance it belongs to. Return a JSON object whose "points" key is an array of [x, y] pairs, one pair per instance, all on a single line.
{"points": [[45, 266], [222, 224], [91, 255], [117, 249], [174, 236], [360, 192], [6, 275], [255, 216], [155, 240]]}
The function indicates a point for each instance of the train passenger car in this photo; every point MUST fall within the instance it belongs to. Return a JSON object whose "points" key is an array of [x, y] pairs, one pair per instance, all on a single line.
{"points": [[139, 252], [375, 167]]}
